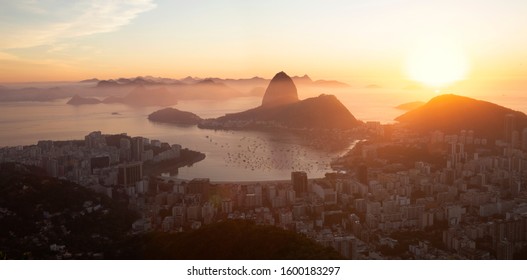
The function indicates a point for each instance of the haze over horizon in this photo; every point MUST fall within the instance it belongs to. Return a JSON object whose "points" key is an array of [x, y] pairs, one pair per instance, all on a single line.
{"points": [[188, 130], [348, 41]]}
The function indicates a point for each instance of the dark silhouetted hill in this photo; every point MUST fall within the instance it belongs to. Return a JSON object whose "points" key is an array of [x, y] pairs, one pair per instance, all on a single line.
{"points": [[281, 91], [322, 112], [281, 109], [38, 212], [46, 218], [77, 100], [171, 115], [452, 113], [230, 240]]}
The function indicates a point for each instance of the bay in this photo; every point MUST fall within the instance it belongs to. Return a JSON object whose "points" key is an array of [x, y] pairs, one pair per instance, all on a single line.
{"points": [[230, 155]]}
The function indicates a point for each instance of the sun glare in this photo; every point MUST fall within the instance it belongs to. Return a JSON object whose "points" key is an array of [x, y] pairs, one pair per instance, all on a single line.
{"points": [[437, 64]]}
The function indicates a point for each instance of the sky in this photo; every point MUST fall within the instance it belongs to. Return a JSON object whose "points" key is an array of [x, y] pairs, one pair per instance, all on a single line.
{"points": [[53, 40]]}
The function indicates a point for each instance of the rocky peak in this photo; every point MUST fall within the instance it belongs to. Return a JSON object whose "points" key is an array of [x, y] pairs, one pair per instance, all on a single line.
{"points": [[281, 91]]}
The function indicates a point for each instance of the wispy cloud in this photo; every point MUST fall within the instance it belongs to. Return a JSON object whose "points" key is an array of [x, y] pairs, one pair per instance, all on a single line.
{"points": [[35, 23], [7, 56]]}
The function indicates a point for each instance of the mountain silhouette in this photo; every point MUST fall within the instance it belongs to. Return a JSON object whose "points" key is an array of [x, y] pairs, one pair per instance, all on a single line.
{"points": [[226, 240], [281, 91], [141, 96], [281, 109], [92, 80], [107, 83], [329, 83], [302, 79], [451, 113]]}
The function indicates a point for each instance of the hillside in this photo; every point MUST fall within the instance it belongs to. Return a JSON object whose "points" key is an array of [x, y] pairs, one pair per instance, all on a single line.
{"points": [[281, 109], [451, 113], [322, 112], [230, 240], [47, 218]]}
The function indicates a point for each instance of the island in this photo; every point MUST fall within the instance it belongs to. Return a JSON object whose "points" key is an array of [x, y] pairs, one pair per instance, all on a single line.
{"points": [[175, 116], [281, 109]]}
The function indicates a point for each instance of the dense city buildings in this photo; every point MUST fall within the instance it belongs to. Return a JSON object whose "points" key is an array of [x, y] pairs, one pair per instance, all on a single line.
{"points": [[129, 173], [299, 181], [100, 162], [399, 195]]}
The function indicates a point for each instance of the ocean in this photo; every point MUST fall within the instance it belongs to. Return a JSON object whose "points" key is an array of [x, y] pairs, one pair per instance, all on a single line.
{"points": [[230, 155]]}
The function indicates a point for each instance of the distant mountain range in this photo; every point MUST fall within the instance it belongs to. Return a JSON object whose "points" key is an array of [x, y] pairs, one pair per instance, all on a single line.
{"points": [[143, 96], [189, 88], [139, 96], [452, 113], [148, 80]]}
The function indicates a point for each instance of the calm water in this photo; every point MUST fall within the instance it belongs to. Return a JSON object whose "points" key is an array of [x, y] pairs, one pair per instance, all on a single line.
{"points": [[230, 155]]}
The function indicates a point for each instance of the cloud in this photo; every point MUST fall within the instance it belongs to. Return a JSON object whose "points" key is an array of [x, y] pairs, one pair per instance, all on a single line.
{"points": [[36, 23], [7, 56]]}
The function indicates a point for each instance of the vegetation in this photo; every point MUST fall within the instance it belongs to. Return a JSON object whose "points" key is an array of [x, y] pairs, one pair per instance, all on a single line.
{"points": [[37, 212], [225, 240], [171, 115], [47, 218]]}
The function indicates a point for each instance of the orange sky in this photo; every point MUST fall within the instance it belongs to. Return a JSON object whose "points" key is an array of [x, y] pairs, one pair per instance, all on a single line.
{"points": [[351, 41]]}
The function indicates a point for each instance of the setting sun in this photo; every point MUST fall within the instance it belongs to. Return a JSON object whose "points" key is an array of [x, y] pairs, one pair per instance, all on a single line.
{"points": [[437, 64]]}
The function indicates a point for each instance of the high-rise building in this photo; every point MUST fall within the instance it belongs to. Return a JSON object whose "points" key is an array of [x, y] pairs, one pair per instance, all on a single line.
{"points": [[299, 182], [99, 162], [138, 147], [45, 145], [199, 186], [504, 250], [125, 149], [515, 139], [524, 139], [509, 127], [130, 173], [362, 174], [94, 140]]}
